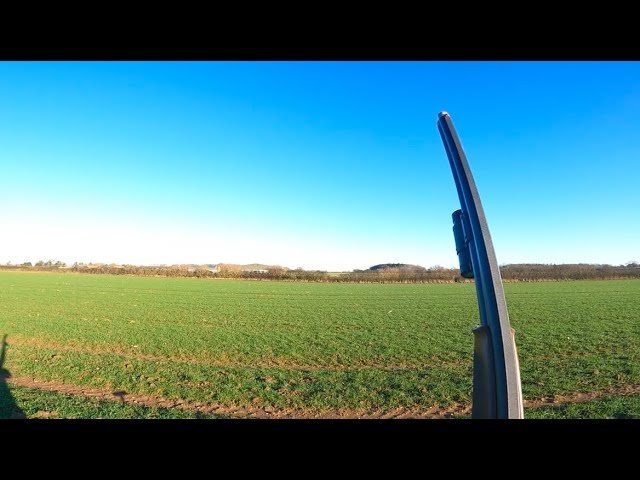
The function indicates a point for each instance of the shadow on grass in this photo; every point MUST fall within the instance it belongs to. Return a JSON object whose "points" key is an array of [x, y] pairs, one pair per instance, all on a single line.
{"points": [[622, 416], [8, 406]]}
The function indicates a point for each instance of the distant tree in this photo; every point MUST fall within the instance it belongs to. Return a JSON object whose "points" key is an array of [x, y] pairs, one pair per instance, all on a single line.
{"points": [[276, 271], [229, 270]]}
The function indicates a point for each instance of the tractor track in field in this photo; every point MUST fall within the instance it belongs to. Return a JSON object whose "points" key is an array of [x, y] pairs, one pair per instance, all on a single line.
{"points": [[236, 411], [223, 363], [456, 410], [263, 363], [580, 397]]}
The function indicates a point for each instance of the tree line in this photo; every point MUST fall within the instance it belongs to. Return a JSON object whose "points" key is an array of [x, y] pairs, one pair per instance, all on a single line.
{"points": [[383, 273]]}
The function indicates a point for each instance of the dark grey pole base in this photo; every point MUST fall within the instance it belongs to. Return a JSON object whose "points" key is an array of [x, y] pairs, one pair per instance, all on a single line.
{"points": [[484, 399]]}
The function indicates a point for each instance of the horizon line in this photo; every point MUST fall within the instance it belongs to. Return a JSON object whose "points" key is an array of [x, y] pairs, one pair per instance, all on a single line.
{"points": [[71, 264]]}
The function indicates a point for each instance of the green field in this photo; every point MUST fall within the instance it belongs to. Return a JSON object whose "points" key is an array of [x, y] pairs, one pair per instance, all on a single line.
{"points": [[201, 348]]}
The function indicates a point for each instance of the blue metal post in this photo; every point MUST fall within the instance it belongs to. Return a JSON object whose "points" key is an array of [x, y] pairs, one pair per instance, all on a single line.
{"points": [[497, 391]]}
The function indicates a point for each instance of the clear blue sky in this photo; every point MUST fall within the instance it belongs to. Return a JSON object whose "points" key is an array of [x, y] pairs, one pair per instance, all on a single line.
{"points": [[327, 165]]}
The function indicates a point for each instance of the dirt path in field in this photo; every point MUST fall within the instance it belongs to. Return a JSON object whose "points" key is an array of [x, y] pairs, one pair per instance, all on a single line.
{"points": [[274, 362], [624, 391], [452, 411], [234, 411], [263, 362]]}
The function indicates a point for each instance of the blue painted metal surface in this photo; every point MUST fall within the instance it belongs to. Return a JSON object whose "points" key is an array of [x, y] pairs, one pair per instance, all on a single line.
{"points": [[497, 391]]}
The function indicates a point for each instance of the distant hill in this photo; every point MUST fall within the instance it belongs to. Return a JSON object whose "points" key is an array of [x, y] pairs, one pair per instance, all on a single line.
{"points": [[250, 267], [261, 266], [398, 266]]}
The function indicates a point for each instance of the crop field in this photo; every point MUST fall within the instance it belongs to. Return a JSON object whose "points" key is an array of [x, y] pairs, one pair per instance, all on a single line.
{"points": [[99, 346]]}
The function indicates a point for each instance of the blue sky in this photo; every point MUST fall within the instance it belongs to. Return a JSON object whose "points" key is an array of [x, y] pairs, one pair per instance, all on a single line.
{"points": [[320, 165]]}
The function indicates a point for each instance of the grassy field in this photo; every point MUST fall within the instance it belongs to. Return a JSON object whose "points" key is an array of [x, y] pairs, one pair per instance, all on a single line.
{"points": [[192, 348]]}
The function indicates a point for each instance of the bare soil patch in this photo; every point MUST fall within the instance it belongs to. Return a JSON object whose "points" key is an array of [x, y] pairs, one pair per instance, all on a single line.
{"points": [[451, 411]]}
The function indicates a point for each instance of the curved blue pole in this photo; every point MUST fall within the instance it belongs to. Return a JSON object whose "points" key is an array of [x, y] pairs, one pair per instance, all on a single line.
{"points": [[497, 391]]}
